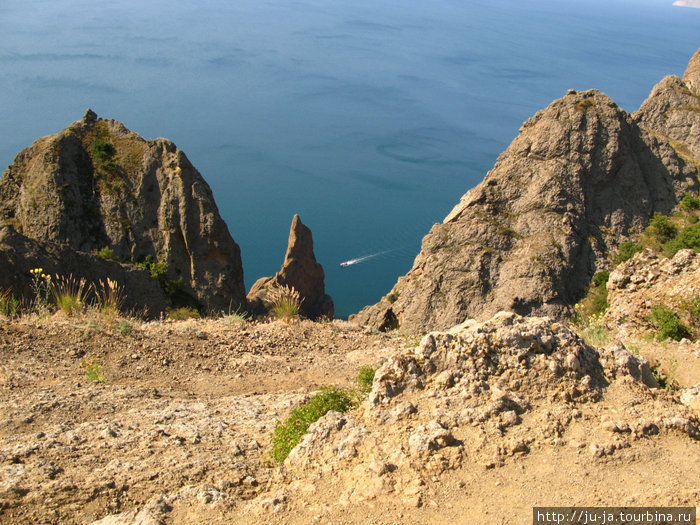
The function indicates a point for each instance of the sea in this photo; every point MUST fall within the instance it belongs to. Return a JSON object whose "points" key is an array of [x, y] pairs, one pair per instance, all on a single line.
{"points": [[368, 118]]}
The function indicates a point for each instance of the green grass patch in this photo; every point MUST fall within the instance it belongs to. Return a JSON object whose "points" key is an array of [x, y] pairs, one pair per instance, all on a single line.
{"points": [[288, 433]]}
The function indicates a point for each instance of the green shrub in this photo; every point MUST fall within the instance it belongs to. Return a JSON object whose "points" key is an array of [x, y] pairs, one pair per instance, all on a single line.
{"points": [[661, 228], [393, 296], [668, 324], [106, 253], [365, 377], [689, 237], [626, 251], [690, 202], [288, 434], [601, 278]]}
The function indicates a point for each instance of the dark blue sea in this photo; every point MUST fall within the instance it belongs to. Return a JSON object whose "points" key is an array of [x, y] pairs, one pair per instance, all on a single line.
{"points": [[369, 118]]}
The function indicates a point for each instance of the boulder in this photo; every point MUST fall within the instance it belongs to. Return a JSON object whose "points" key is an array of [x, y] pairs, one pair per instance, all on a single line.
{"points": [[299, 271]]}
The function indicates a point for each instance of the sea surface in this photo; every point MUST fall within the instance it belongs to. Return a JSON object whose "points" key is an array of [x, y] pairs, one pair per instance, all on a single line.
{"points": [[369, 118]]}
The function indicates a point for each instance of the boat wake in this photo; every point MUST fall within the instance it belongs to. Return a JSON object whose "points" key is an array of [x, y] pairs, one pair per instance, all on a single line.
{"points": [[364, 258]]}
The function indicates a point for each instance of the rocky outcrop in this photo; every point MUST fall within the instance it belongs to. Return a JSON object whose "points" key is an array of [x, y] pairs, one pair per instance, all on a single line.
{"points": [[299, 271], [19, 254], [582, 176], [648, 280], [482, 393], [96, 184]]}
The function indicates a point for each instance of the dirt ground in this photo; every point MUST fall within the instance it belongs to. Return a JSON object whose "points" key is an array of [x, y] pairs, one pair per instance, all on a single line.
{"points": [[179, 431]]}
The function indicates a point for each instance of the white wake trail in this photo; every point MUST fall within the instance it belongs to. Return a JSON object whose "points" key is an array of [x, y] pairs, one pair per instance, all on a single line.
{"points": [[364, 258]]}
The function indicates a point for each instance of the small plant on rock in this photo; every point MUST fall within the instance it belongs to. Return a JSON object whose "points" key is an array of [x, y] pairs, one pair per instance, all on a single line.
{"points": [[365, 377], [94, 371], [284, 302], [288, 434]]}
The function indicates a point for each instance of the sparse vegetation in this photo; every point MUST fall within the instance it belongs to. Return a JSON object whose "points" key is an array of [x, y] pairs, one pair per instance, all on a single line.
{"points": [[689, 202], [69, 293], [688, 237], [94, 371], [182, 313], [666, 379], [284, 302], [41, 288], [365, 377], [9, 304], [668, 324], [583, 105], [662, 228], [393, 296], [106, 253], [237, 316], [288, 434], [591, 328]]}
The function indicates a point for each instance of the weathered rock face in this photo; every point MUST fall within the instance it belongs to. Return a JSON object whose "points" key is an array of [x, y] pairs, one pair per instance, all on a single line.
{"points": [[97, 184], [300, 271], [19, 255], [582, 176]]}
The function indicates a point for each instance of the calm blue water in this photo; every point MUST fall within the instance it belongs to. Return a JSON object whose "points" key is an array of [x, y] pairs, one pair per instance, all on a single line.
{"points": [[368, 118]]}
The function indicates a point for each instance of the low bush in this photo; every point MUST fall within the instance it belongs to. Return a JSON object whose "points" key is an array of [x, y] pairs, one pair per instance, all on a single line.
{"points": [[668, 324], [689, 237], [288, 434], [626, 251], [106, 253], [393, 296], [690, 202], [662, 228]]}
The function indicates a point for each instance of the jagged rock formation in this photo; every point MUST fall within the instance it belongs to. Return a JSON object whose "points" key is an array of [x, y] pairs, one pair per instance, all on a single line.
{"points": [[300, 271], [20, 254], [582, 176], [97, 184]]}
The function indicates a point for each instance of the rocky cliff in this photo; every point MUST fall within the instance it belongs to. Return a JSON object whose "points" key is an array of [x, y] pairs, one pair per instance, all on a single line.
{"points": [[299, 271], [582, 176], [96, 184]]}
